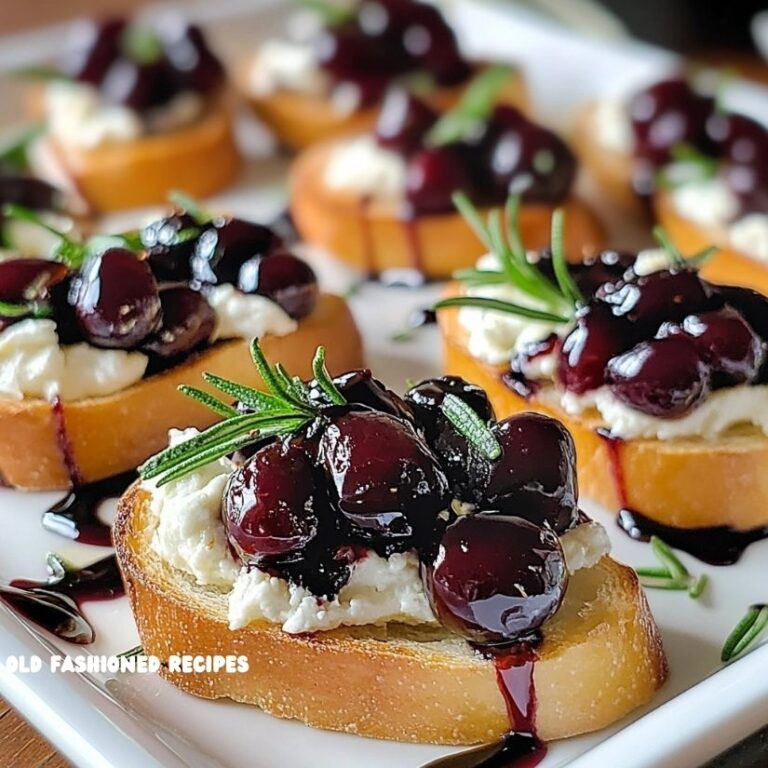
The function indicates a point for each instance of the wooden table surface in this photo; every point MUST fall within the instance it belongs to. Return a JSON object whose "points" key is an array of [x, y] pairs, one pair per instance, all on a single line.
{"points": [[21, 746]]}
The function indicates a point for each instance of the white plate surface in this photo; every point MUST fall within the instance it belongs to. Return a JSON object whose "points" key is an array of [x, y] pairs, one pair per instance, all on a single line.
{"points": [[141, 720]]}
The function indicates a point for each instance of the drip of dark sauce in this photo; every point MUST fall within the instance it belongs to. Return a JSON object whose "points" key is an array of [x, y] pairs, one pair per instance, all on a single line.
{"points": [[716, 545], [520, 748], [65, 446], [55, 604], [75, 515]]}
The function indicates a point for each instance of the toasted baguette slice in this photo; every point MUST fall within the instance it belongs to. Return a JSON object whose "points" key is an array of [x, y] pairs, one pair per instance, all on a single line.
{"points": [[728, 266], [375, 238], [685, 483], [611, 170], [113, 434], [298, 120], [199, 159], [600, 659]]}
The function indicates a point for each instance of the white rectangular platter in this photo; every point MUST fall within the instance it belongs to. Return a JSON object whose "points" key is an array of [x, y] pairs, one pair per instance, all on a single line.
{"points": [[133, 720]]}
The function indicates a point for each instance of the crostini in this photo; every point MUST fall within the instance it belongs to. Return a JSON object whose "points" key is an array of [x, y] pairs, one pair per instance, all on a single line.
{"points": [[706, 171], [330, 76], [371, 592], [382, 202], [133, 112], [96, 336], [660, 376]]}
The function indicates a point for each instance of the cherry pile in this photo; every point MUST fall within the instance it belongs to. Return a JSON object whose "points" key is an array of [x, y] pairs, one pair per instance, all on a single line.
{"points": [[155, 300], [506, 155], [670, 113], [142, 68], [393, 474], [387, 39], [661, 342]]}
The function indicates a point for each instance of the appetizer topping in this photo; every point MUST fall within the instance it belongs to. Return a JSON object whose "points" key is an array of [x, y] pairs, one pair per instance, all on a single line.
{"points": [[179, 284], [656, 352], [356, 53], [120, 80], [335, 480], [486, 151]]}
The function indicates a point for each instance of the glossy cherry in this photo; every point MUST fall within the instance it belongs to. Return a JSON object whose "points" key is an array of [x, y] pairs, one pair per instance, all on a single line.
{"points": [[496, 578], [597, 337], [29, 192], [521, 158], [403, 121], [535, 476], [665, 378], [361, 387], [728, 344], [138, 85], [30, 279], [432, 177], [169, 243], [739, 138], [596, 270], [272, 507], [195, 66], [96, 46], [386, 481], [223, 248], [116, 300], [668, 295], [188, 322], [466, 469], [665, 115], [286, 279]]}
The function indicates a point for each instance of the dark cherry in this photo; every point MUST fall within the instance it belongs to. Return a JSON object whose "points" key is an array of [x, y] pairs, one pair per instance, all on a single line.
{"points": [[116, 300], [351, 56], [496, 578], [665, 296], [272, 507], [597, 337], [665, 115], [432, 176], [223, 248], [728, 344], [29, 192], [466, 469], [605, 268], [739, 138], [403, 121], [387, 483], [361, 387], [522, 158], [665, 378], [535, 477], [195, 66], [139, 86], [751, 305], [29, 279], [282, 277], [749, 182], [96, 46], [167, 255], [188, 322], [67, 325]]}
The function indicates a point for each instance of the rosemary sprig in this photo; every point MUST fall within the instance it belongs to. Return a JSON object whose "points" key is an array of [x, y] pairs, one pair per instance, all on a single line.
{"points": [[131, 653], [141, 44], [503, 239], [744, 634], [14, 147], [191, 206], [689, 164], [332, 14], [672, 574], [472, 108], [471, 426], [676, 257], [42, 73], [281, 410], [31, 309]]}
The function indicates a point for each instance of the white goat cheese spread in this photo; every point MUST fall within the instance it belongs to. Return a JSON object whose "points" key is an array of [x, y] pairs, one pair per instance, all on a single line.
{"points": [[360, 166], [76, 115], [189, 535], [33, 364], [612, 126]]}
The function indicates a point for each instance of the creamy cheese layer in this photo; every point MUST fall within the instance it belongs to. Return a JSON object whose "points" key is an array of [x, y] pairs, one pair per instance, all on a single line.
{"points": [[76, 115], [360, 166], [189, 535], [34, 365]]}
